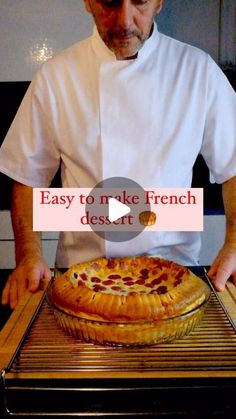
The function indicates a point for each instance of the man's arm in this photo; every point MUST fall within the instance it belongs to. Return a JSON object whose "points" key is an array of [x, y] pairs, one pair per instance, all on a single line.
{"points": [[30, 265], [225, 263]]}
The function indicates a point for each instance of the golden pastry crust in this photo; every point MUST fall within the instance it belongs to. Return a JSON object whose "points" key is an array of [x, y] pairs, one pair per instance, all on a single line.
{"points": [[128, 289]]}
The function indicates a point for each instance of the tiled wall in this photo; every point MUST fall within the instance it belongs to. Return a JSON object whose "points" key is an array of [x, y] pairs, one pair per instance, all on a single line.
{"points": [[33, 30]]}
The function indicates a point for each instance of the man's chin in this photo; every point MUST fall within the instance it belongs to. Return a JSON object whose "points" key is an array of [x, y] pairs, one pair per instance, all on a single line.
{"points": [[126, 53]]}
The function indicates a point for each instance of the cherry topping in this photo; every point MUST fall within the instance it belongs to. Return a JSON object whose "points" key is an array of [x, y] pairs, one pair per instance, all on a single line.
{"points": [[127, 278], [129, 283], [177, 282], [95, 279], [114, 276], [162, 289], [156, 281], [108, 282], [144, 272], [111, 263], [98, 287], [141, 281], [116, 288]]}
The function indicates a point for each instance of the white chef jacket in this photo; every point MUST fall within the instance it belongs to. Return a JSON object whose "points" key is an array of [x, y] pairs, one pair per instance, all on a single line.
{"points": [[145, 118]]}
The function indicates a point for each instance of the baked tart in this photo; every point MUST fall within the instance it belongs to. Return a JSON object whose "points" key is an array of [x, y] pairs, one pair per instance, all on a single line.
{"points": [[132, 301]]}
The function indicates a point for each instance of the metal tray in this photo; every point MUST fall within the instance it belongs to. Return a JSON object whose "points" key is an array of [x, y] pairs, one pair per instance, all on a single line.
{"points": [[49, 373]]}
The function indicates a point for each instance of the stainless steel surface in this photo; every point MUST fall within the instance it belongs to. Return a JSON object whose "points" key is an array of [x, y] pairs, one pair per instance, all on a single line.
{"points": [[211, 347]]}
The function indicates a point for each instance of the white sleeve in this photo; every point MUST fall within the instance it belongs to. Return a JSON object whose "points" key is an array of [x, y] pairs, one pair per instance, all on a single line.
{"points": [[29, 153], [219, 142]]}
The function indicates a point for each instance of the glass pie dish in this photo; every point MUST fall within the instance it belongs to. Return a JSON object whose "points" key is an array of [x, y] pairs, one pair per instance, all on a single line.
{"points": [[136, 333]]}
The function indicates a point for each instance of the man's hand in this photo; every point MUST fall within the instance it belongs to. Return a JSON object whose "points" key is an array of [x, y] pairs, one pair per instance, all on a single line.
{"points": [[30, 265], [225, 263], [26, 276], [223, 267]]}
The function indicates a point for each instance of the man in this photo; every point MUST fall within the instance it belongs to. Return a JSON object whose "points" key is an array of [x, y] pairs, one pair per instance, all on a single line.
{"points": [[128, 102]]}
